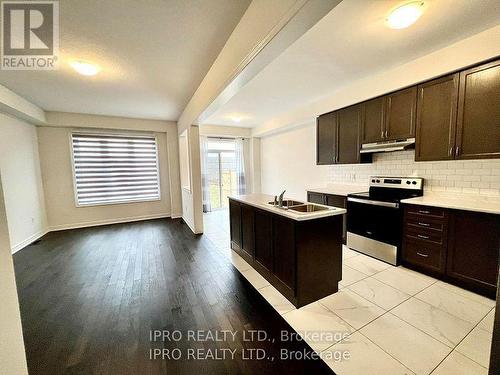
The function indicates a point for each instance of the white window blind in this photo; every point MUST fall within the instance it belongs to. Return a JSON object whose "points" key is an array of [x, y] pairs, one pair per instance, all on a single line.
{"points": [[115, 169]]}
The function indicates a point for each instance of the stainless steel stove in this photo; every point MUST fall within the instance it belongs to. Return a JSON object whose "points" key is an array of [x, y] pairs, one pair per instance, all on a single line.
{"points": [[374, 218]]}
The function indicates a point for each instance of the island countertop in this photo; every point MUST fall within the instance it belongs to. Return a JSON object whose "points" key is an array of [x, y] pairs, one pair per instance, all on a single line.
{"points": [[262, 201]]}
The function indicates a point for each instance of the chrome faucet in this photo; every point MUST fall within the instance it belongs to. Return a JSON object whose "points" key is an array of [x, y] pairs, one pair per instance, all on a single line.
{"points": [[280, 199]]}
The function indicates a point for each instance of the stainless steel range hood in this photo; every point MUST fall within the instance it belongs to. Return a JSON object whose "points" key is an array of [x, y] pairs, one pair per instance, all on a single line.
{"points": [[398, 145]]}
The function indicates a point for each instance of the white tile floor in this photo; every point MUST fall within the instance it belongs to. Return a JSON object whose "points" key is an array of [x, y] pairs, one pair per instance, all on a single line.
{"points": [[389, 320]]}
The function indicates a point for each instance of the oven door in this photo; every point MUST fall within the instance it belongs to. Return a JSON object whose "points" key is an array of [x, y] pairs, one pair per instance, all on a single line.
{"points": [[377, 220]]}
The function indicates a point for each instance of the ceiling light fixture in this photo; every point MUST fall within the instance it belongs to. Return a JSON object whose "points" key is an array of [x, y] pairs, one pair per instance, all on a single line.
{"points": [[85, 68], [405, 15]]}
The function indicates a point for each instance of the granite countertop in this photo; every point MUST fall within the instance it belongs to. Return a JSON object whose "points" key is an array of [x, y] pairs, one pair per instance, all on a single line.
{"points": [[261, 201], [339, 189], [458, 201]]}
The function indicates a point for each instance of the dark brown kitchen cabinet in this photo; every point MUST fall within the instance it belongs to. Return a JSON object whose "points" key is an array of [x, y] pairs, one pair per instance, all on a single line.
{"points": [[326, 139], [400, 114], [332, 200], [460, 247], [436, 119], [302, 259], [478, 120], [247, 231], [473, 249], [263, 247], [235, 223], [456, 116], [348, 145], [318, 198], [373, 114], [284, 254]]}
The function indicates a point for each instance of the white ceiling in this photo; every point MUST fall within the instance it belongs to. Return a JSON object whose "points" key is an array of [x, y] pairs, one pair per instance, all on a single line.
{"points": [[350, 43], [153, 56]]}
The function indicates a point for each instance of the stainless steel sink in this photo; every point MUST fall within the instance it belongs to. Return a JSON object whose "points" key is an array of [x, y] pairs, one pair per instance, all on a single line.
{"points": [[287, 203], [309, 208]]}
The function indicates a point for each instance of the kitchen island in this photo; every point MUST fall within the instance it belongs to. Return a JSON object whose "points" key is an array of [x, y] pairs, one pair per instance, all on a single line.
{"points": [[297, 249]]}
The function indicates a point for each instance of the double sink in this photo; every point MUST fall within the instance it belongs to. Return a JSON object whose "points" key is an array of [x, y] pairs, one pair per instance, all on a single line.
{"points": [[301, 207]]}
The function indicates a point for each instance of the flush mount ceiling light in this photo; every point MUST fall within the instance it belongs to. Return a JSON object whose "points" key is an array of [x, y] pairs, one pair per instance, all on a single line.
{"points": [[85, 68], [405, 15]]}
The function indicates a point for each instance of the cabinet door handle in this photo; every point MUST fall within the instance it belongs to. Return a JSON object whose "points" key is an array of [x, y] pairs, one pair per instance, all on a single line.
{"points": [[422, 255], [450, 153], [422, 236], [457, 151], [424, 212], [424, 224]]}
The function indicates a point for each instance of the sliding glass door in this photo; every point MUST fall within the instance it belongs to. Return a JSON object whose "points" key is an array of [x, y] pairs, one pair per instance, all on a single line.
{"points": [[221, 171]]}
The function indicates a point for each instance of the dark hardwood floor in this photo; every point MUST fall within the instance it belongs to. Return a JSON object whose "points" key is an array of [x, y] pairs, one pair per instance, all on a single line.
{"points": [[89, 298]]}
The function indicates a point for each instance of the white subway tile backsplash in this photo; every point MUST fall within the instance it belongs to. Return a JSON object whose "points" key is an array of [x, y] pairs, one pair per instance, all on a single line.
{"points": [[464, 176]]}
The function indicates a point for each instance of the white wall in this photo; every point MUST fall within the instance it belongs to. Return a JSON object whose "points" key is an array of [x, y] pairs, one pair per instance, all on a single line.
{"points": [[22, 183], [62, 213], [289, 162], [12, 356], [469, 51], [80, 120], [192, 211]]}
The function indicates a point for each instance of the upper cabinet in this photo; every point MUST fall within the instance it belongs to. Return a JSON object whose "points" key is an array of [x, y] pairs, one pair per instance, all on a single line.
{"points": [[451, 117], [338, 137], [478, 122], [389, 117], [373, 120], [348, 126], [400, 114], [458, 116], [326, 139], [436, 119]]}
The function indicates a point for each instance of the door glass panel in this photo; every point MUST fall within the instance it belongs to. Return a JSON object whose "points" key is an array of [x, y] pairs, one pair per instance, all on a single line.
{"points": [[214, 179], [228, 176], [221, 172]]}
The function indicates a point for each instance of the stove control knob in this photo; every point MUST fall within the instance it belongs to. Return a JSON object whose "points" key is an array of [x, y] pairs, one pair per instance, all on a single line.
{"points": [[373, 180], [414, 182], [378, 181], [408, 182]]}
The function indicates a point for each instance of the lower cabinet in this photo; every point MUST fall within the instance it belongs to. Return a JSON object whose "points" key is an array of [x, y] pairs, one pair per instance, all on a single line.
{"points": [[247, 231], [263, 247], [473, 249], [461, 247], [301, 259], [284, 253], [330, 200], [235, 224]]}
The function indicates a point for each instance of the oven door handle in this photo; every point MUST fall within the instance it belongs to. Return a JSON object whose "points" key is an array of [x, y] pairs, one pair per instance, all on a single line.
{"points": [[373, 203]]}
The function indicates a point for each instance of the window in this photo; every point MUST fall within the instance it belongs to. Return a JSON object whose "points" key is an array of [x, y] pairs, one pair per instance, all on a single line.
{"points": [[114, 169]]}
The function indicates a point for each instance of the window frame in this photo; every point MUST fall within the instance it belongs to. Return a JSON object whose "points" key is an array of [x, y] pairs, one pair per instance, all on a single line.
{"points": [[116, 134]]}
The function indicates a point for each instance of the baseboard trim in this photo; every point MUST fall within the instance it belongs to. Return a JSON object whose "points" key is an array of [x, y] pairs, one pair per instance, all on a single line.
{"points": [[107, 222], [21, 245]]}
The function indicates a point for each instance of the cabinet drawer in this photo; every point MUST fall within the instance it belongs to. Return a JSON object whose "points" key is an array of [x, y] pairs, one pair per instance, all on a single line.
{"points": [[424, 235], [424, 224], [419, 253], [426, 211]]}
